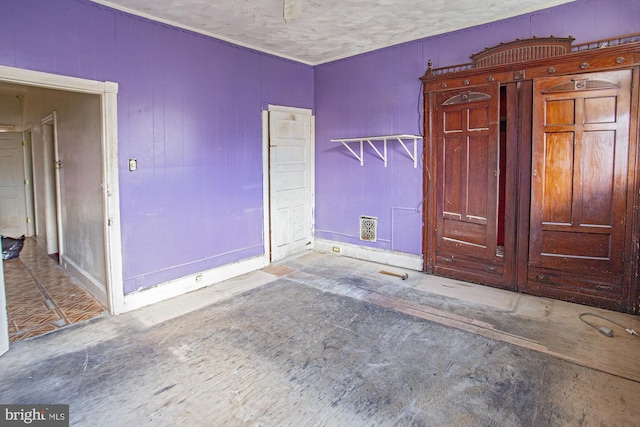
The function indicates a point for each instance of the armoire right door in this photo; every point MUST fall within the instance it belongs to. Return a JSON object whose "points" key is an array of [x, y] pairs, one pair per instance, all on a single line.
{"points": [[579, 187]]}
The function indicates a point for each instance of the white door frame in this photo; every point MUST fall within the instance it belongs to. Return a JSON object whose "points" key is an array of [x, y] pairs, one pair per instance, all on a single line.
{"points": [[52, 172], [4, 321], [29, 187], [266, 172], [108, 93]]}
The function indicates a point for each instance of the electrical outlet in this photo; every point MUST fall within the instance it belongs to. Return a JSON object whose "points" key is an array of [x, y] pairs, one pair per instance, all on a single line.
{"points": [[336, 249]]}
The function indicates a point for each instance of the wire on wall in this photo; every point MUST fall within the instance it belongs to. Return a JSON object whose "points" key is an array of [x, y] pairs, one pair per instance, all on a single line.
{"points": [[420, 108]]}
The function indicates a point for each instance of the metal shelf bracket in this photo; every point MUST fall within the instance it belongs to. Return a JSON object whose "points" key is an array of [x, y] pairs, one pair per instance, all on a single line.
{"points": [[403, 140]]}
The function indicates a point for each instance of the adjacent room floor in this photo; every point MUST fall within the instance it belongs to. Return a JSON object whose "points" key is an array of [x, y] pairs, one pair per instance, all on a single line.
{"points": [[324, 340], [41, 297]]}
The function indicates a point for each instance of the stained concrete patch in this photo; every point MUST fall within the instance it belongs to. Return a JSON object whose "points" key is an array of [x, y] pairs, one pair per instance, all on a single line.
{"points": [[288, 354], [277, 270]]}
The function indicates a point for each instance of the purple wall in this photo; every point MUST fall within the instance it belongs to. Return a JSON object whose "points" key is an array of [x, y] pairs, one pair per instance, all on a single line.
{"points": [[378, 93], [369, 95], [189, 109]]}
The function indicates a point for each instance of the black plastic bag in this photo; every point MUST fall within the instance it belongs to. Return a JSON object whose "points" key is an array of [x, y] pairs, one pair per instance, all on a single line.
{"points": [[11, 247]]}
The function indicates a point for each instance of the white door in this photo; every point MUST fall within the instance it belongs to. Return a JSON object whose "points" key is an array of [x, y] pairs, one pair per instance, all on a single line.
{"points": [[291, 181], [29, 184], [13, 214], [4, 324], [53, 207]]}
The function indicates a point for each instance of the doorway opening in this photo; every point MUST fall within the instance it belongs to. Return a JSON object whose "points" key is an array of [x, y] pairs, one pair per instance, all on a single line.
{"points": [[70, 174]]}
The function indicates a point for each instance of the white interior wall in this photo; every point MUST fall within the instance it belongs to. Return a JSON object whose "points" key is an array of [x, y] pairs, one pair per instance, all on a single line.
{"points": [[79, 134]]}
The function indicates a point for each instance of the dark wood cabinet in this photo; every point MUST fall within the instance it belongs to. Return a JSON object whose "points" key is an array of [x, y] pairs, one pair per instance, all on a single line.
{"points": [[530, 170]]}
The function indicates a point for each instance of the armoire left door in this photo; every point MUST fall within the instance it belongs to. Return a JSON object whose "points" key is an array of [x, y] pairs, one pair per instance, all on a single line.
{"points": [[467, 126]]}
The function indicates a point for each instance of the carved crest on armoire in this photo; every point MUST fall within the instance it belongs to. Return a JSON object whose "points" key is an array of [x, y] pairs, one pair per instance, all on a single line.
{"points": [[531, 154]]}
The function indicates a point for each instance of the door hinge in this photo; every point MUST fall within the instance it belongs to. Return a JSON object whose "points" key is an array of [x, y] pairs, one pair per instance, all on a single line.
{"points": [[24, 143], [26, 182], [28, 220], [109, 222], [58, 164]]}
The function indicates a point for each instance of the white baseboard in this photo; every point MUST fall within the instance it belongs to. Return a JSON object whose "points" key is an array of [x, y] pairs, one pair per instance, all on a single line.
{"points": [[192, 282], [91, 285], [396, 259]]}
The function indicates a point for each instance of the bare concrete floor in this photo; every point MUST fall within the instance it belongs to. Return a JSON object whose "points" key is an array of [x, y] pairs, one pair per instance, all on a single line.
{"points": [[322, 340]]}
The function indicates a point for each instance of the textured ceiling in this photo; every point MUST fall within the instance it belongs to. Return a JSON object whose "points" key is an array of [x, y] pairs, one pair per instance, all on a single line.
{"points": [[326, 29]]}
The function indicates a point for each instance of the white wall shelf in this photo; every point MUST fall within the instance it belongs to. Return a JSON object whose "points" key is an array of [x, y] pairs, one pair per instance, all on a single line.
{"points": [[383, 155]]}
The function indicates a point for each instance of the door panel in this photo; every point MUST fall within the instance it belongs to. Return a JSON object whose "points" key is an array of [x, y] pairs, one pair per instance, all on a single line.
{"points": [[467, 172], [467, 162], [467, 187], [579, 184], [290, 183], [13, 213], [558, 177]]}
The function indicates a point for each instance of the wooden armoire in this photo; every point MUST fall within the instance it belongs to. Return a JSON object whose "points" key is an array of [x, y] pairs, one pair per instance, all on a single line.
{"points": [[531, 154]]}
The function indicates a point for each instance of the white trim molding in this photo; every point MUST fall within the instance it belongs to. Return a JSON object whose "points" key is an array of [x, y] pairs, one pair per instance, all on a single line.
{"points": [[55, 81], [197, 30], [396, 259], [91, 285], [266, 234], [192, 282], [285, 109]]}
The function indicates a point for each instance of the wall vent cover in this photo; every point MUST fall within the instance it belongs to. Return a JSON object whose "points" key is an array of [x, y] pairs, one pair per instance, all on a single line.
{"points": [[368, 228]]}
